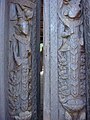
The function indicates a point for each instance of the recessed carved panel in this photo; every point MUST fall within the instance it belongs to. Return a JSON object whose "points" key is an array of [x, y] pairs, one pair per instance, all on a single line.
{"points": [[71, 59], [20, 58]]}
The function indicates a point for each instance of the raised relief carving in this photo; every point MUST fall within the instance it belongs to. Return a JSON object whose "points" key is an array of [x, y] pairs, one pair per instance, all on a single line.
{"points": [[71, 59], [20, 61]]}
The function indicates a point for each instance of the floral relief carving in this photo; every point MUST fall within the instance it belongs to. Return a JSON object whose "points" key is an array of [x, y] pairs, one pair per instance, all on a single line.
{"points": [[71, 59], [20, 61]]}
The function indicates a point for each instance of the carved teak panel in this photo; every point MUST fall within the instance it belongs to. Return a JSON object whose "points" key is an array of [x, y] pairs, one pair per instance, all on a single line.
{"points": [[71, 60], [20, 35]]}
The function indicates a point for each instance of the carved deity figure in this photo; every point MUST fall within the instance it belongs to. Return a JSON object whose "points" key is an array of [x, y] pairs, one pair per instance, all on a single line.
{"points": [[71, 59], [20, 38]]}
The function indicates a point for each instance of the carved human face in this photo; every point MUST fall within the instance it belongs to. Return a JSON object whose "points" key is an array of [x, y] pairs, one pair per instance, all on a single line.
{"points": [[23, 26]]}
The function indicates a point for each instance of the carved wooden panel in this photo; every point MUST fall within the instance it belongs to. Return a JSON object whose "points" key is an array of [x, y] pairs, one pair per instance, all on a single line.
{"points": [[71, 60], [22, 29]]}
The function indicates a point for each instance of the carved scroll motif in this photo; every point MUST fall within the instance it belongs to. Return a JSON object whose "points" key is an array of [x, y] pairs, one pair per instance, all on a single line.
{"points": [[71, 59], [20, 61]]}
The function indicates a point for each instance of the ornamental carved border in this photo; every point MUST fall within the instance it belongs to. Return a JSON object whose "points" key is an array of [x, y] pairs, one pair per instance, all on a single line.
{"points": [[22, 22], [71, 59]]}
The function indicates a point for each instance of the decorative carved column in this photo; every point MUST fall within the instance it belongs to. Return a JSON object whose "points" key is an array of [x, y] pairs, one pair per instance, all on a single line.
{"points": [[71, 59], [64, 52], [22, 60]]}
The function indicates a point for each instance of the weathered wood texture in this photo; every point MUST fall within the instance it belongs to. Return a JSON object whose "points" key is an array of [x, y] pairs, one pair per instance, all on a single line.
{"points": [[38, 12], [23, 59], [3, 58], [86, 18], [71, 60], [53, 60], [46, 40], [64, 61], [50, 61]]}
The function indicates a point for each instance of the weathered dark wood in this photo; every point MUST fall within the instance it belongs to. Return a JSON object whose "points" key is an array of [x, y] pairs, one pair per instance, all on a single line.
{"points": [[64, 87], [86, 18], [3, 58], [38, 17], [46, 40], [36, 63], [53, 60], [50, 61], [24, 99]]}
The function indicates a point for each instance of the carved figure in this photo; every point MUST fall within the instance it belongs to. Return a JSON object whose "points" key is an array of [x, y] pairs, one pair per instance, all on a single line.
{"points": [[71, 59], [21, 19]]}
